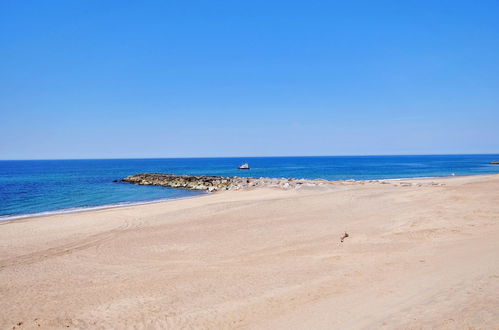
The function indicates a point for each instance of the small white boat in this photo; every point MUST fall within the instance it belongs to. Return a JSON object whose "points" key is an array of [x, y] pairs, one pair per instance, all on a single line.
{"points": [[244, 167]]}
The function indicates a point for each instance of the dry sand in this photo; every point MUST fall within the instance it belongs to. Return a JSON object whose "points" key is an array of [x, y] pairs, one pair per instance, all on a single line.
{"points": [[418, 255]]}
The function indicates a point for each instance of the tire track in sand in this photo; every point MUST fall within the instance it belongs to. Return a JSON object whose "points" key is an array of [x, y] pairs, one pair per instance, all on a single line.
{"points": [[79, 245]]}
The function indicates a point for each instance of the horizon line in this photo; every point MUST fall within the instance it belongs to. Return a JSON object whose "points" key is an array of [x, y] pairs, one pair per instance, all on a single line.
{"points": [[277, 156]]}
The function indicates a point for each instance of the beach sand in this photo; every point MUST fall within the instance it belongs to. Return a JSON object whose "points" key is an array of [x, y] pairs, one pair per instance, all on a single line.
{"points": [[420, 254]]}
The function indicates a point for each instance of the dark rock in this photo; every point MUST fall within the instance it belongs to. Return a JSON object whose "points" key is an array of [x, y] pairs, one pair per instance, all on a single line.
{"points": [[210, 183]]}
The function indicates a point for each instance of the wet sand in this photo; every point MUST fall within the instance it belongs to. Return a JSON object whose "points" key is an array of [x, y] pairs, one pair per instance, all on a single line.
{"points": [[420, 254]]}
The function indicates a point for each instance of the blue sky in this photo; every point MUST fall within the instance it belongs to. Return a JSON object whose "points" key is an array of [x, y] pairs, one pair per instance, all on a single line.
{"points": [[117, 79]]}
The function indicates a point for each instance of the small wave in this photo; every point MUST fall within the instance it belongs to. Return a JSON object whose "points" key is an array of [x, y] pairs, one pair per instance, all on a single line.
{"points": [[89, 208]]}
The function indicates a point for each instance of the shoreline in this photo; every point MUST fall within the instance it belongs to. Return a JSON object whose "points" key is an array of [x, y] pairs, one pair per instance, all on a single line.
{"points": [[84, 209]]}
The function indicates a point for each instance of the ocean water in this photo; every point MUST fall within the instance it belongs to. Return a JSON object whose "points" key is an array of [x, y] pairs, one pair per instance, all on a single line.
{"points": [[53, 186]]}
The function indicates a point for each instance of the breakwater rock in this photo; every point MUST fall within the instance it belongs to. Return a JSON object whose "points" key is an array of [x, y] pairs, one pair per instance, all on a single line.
{"points": [[216, 183]]}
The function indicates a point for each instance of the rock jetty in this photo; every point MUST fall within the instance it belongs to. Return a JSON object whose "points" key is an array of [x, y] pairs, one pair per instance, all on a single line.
{"points": [[216, 183], [219, 183]]}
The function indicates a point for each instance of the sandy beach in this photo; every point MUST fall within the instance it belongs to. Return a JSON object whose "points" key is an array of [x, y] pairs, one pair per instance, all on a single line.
{"points": [[421, 254]]}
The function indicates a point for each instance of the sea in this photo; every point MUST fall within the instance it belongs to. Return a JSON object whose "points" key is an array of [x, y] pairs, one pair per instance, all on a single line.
{"points": [[42, 187]]}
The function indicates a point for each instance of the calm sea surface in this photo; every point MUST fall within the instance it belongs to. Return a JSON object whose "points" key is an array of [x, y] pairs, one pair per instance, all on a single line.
{"points": [[47, 186]]}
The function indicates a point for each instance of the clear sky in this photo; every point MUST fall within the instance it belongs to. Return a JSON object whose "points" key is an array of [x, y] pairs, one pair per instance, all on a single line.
{"points": [[119, 79]]}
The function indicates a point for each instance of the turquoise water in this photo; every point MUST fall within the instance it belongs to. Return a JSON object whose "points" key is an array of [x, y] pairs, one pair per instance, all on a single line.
{"points": [[40, 186]]}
